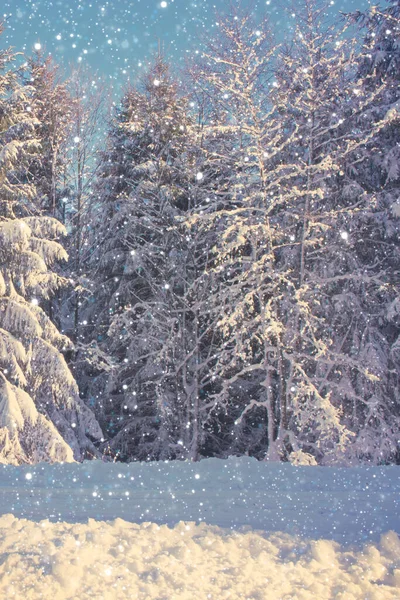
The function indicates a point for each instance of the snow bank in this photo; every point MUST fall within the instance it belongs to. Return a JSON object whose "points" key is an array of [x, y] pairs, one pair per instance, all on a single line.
{"points": [[234, 529], [119, 560]]}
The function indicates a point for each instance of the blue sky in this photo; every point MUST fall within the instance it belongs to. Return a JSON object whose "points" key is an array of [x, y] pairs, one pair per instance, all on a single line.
{"points": [[115, 37]]}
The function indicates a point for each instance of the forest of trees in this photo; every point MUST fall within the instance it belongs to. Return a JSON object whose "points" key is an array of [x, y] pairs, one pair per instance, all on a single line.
{"points": [[209, 267]]}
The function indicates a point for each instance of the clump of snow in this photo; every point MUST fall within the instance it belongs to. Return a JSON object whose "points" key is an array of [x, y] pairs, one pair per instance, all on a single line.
{"points": [[118, 560], [300, 458]]}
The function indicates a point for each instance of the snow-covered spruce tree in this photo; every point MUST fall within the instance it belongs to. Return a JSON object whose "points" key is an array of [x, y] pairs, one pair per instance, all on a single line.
{"points": [[145, 335], [293, 295], [52, 106], [380, 26], [41, 415], [380, 173], [339, 280], [89, 112]]}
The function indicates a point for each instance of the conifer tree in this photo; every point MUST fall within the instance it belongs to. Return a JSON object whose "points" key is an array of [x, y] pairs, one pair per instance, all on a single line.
{"points": [[88, 116], [41, 414], [379, 172], [52, 106], [140, 260]]}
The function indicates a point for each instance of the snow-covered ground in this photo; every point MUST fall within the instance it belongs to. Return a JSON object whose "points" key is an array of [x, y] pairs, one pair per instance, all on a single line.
{"points": [[235, 529]]}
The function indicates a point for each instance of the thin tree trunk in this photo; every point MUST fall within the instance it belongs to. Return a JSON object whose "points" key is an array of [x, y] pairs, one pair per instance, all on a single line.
{"points": [[306, 215], [195, 442], [78, 227]]}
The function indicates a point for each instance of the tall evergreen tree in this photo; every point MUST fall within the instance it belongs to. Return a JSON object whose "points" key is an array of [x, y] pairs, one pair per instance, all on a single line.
{"points": [[141, 263], [52, 106], [379, 172], [41, 414], [88, 115]]}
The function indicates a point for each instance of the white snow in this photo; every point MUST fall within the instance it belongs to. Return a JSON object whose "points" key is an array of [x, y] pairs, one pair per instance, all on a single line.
{"points": [[119, 560], [234, 529]]}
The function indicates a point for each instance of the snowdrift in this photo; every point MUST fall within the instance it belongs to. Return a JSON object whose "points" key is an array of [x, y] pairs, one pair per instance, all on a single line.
{"points": [[216, 529], [120, 560]]}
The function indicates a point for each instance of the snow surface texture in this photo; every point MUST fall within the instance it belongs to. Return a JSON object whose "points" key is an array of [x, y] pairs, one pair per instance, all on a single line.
{"points": [[235, 529], [343, 504], [119, 560]]}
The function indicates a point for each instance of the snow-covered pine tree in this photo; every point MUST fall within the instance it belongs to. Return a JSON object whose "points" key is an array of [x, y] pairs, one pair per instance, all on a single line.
{"points": [[338, 257], [143, 259], [294, 298], [380, 26], [89, 113], [41, 415], [379, 172], [337, 290], [52, 106]]}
